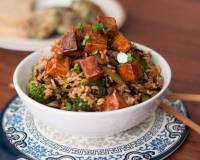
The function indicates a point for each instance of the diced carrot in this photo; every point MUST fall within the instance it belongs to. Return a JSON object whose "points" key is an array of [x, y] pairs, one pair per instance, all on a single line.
{"points": [[90, 68], [130, 72], [121, 43], [57, 67], [113, 102]]}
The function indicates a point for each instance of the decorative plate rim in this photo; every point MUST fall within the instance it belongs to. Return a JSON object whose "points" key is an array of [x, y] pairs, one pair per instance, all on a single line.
{"points": [[19, 154]]}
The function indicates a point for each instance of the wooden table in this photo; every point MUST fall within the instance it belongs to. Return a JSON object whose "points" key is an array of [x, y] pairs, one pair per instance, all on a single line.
{"points": [[170, 27]]}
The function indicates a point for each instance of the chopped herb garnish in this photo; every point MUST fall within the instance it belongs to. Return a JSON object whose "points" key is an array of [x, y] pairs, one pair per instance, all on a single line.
{"points": [[97, 26], [68, 107], [130, 57], [86, 38], [80, 27], [144, 64], [80, 104], [100, 26], [76, 68], [106, 30]]}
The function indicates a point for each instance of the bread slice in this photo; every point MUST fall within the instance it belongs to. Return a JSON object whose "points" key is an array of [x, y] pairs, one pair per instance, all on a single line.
{"points": [[15, 12], [13, 17]]}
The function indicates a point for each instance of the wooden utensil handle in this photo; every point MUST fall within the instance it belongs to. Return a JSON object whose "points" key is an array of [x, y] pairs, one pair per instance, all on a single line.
{"points": [[184, 96], [194, 126]]}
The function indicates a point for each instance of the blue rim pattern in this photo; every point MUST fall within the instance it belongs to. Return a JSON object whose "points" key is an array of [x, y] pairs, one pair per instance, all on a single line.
{"points": [[18, 140]]}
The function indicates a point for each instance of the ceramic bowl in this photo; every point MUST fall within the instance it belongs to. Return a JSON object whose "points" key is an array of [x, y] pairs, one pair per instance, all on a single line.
{"points": [[92, 124]]}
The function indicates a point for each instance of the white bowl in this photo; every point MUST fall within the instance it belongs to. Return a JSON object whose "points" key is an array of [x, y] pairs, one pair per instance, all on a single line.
{"points": [[95, 124]]}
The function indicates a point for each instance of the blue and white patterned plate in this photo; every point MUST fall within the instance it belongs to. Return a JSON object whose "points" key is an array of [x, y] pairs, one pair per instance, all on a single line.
{"points": [[156, 138]]}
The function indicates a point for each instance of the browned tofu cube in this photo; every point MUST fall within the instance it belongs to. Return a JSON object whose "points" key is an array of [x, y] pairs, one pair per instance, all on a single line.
{"points": [[56, 67], [69, 44], [93, 46], [130, 72], [88, 29], [90, 68], [121, 43], [96, 42], [113, 102], [108, 22], [137, 70]]}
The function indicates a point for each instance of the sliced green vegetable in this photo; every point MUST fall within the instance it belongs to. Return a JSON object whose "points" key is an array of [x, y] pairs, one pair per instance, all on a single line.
{"points": [[68, 106], [86, 38], [102, 91], [113, 75], [144, 64], [80, 27], [101, 88], [145, 97], [76, 68]]}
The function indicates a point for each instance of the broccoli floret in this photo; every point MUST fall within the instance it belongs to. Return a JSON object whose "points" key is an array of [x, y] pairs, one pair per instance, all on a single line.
{"points": [[36, 91]]}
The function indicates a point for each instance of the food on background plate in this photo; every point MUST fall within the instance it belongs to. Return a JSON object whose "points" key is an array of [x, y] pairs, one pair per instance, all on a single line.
{"points": [[43, 23], [86, 10], [94, 68], [20, 18], [58, 20]]}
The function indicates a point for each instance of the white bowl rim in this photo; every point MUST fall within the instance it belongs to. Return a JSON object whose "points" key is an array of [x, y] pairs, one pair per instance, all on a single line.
{"points": [[127, 109]]}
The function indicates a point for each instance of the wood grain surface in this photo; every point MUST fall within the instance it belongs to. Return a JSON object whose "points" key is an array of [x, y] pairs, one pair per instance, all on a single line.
{"points": [[172, 27]]}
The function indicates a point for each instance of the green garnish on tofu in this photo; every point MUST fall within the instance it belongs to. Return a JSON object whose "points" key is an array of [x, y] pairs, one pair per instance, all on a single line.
{"points": [[86, 38], [76, 68], [130, 57], [100, 26], [80, 27]]}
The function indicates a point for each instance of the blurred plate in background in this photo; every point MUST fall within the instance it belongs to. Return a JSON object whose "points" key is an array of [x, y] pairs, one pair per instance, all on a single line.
{"points": [[111, 8]]}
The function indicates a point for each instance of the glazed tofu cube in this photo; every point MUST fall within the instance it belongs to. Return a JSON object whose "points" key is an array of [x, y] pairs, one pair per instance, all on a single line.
{"points": [[121, 43], [130, 72], [57, 67], [90, 68], [88, 29], [94, 46], [113, 102], [69, 44], [108, 22], [96, 42]]}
